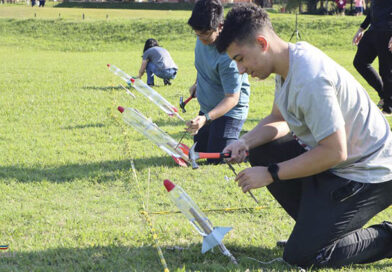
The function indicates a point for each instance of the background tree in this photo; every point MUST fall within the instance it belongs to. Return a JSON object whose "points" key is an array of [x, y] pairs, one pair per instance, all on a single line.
{"points": [[295, 5], [264, 3]]}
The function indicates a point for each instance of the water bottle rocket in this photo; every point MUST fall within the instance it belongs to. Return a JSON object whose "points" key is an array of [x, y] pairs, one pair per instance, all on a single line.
{"points": [[211, 236], [151, 131], [147, 91]]}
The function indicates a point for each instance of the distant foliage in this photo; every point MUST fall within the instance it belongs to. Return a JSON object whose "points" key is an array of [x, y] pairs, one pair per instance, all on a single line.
{"points": [[127, 5], [311, 6], [90, 36], [67, 35]]}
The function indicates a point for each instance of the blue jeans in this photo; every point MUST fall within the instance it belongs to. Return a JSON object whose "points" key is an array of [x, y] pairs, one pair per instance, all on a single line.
{"points": [[152, 70], [217, 135]]}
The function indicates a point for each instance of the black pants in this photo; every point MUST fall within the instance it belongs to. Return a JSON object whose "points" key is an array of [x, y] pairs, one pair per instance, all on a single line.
{"points": [[329, 212], [375, 44], [217, 135]]}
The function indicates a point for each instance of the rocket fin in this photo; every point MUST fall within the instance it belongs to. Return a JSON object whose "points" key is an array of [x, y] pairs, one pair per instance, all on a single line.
{"points": [[214, 238], [180, 161]]}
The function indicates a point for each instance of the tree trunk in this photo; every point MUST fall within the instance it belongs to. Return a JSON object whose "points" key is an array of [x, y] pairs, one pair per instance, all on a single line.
{"points": [[264, 3], [312, 6]]}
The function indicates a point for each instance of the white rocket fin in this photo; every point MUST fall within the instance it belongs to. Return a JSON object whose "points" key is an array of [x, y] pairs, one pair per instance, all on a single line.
{"points": [[214, 238]]}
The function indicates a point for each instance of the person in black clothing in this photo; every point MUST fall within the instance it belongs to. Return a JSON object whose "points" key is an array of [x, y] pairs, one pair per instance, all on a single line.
{"points": [[377, 42]]}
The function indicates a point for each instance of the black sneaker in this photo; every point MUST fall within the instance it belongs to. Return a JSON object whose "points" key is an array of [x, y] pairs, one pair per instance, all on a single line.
{"points": [[281, 243], [167, 82], [388, 226], [387, 111]]}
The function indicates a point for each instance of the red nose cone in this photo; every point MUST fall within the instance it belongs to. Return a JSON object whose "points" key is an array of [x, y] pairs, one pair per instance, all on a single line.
{"points": [[120, 109], [132, 80], [169, 185], [108, 65]]}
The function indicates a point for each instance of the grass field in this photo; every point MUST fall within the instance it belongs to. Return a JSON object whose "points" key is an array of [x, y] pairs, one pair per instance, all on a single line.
{"points": [[69, 200]]}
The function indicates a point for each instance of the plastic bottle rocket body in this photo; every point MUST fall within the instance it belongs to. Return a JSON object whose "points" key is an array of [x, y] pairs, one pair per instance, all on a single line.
{"points": [[155, 97], [118, 72], [189, 208], [143, 125], [147, 91], [211, 236]]}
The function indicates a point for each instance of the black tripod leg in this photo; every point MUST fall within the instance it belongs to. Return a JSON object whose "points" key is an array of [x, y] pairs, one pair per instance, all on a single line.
{"points": [[292, 35]]}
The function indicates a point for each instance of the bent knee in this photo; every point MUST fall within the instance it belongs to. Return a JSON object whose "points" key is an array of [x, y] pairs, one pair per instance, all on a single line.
{"points": [[296, 257], [300, 254], [304, 256], [358, 64]]}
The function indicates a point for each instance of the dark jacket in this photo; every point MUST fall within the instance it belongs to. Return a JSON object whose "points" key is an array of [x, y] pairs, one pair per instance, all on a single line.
{"points": [[380, 16]]}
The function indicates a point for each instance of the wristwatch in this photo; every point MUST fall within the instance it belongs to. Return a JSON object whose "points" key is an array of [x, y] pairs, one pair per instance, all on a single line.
{"points": [[208, 119], [273, 169]]}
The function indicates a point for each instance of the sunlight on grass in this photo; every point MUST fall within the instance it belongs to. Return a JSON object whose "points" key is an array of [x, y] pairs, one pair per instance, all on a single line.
{"points": [[69, 200]]}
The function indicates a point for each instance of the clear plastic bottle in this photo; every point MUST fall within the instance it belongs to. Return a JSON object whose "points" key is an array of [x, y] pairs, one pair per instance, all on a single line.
{"points": [[189, 208], [155, 97], [147, 91], [118, 72], [143, 125]]}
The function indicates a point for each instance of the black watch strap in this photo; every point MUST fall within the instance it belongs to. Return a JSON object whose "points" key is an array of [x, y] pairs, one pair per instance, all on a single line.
{"points": [[273, 169], [208, 119]]}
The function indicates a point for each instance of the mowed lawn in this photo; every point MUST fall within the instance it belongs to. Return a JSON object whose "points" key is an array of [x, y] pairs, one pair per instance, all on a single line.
{"points": [[69, 198]]}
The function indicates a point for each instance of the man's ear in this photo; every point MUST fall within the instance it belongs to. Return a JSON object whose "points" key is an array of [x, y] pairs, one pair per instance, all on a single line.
{"points": [[220, 27], [262, 41]]}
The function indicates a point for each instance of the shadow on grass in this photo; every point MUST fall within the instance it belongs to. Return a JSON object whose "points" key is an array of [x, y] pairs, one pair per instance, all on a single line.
{"points": [[255, 119], [98, 172], [170, 121], [121, 258], [97, 125], [145, 258], [177, 136], [103, 88]]}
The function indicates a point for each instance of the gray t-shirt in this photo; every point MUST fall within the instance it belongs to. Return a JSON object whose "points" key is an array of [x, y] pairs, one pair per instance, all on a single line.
{"points": [[318, 97], [160, 57]]}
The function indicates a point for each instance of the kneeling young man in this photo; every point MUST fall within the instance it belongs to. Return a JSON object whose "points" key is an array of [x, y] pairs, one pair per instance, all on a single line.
{"points": [[324, 152]]}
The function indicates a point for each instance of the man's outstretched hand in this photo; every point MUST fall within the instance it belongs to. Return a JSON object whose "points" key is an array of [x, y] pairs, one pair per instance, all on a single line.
{"points": [[238, 150], [253, 178], [194, 125]]}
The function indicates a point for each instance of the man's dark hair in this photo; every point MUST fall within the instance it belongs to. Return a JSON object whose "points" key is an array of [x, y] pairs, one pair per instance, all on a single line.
{"points": [[206, 15], [150, 43], [241, 25]]}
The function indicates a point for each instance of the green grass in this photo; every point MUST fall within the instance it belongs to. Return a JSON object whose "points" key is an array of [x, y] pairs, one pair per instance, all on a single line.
{"points": [[69, 201], [26, 12]]}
